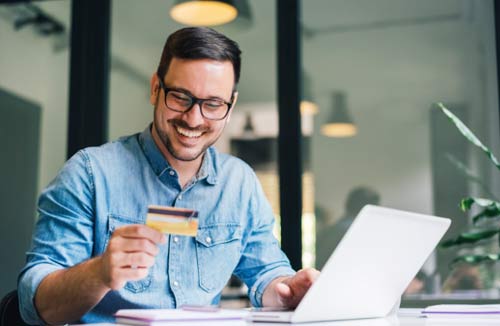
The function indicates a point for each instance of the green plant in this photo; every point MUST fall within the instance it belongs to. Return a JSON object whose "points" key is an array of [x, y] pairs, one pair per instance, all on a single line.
{"points": [[489, 208]]}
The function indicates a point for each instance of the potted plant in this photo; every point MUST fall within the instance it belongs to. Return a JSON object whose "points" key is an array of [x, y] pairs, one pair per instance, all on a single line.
{"points": [[484, 227]]}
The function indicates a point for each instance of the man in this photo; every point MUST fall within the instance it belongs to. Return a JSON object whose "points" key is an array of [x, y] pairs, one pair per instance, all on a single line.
{"points": [[92, 253], [329, 235]]}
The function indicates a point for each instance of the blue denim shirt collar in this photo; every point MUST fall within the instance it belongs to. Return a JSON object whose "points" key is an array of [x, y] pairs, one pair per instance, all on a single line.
{"points": [[160, 165]]}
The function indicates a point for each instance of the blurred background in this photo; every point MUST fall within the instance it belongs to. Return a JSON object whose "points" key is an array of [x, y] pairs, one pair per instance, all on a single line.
{"points": [[371, 73]]}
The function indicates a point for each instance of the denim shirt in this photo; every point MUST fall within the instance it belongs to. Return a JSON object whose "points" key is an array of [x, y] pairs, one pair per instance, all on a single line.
{"points": [[102, 188]]}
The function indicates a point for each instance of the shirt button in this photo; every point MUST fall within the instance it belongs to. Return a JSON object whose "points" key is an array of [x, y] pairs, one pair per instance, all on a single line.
{"points": [[176, 239], [176, 283], [172, 173], [180, 197], [208, 240]]}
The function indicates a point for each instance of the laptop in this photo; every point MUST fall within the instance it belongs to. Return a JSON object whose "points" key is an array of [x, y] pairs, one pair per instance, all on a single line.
{"points": [[369, 270]]}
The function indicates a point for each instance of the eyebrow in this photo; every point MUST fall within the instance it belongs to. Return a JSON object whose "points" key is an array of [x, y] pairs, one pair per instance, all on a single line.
{"points": [[184, 90]]}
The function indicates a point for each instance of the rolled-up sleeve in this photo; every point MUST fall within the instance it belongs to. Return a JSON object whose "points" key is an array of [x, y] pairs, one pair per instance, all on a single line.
{"points": [[28, 284], [262, 259], [63, 235]]}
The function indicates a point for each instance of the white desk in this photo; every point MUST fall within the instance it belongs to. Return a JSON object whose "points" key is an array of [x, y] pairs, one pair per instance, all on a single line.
{"points": [[390, 321], [397, 321]]}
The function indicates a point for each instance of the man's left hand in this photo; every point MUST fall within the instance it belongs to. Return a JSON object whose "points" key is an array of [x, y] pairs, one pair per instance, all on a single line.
{"points": [[288, 291]]}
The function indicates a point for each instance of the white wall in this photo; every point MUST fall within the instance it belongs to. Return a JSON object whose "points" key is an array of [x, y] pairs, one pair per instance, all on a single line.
{"points": [[129, 108], [29, 67]]}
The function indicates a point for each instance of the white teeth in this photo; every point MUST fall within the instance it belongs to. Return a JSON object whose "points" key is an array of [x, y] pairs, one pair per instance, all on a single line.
{"points": [[188, 133]]}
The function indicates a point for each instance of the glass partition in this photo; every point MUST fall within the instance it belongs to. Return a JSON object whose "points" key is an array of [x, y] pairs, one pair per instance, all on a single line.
{"points": [[139, 31], [376, 70], [34, 65]]}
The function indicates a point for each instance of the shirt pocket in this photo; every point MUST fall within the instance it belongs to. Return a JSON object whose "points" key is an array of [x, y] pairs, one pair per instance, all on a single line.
{"points": [[116, 221], [218, 250]]}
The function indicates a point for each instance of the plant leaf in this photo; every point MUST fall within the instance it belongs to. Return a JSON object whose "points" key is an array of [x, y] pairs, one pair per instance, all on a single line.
{"points": [[483, 202], [475, 259], [464, 130], [468, 173], [489, 212], [469, 237], [491, 207], [466, 203]]}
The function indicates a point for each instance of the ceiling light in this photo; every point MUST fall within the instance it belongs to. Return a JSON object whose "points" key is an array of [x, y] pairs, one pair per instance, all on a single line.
{"points": [[308, 107], [248, 129], [340, 123], [203, 12], [307, 104]]}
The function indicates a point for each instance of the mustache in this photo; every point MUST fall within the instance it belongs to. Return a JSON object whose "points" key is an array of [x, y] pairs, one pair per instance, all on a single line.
{"points": [[183, 124]]}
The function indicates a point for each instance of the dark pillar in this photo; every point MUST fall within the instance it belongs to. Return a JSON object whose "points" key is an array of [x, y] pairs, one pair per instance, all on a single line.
{"points": [[89, 74], [289, 139]]}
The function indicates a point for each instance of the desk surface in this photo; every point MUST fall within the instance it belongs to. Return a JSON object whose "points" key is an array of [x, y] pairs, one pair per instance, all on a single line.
{"points": [[401, 320]]}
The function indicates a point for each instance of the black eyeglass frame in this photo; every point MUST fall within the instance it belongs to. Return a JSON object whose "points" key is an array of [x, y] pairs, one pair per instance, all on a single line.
{"points": [[194, 100]]}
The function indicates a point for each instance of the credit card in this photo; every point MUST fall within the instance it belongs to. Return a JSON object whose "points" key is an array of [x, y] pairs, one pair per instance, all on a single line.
{"points": [[173, 220]]}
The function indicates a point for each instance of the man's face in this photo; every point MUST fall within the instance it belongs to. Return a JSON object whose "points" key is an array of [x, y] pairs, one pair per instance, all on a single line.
{"points": [[187, 135]]}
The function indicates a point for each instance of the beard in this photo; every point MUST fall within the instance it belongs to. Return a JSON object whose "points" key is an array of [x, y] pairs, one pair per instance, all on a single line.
{"points": [[165, 139], [178, 156]]}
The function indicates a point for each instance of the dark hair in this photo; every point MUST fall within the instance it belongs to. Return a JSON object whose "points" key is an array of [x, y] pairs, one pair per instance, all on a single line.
{"points": [[200, 43], [359, 197]]}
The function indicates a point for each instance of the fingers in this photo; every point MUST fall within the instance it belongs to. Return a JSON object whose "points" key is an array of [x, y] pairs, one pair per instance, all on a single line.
{"points": [[311, 273], [307, 276], [141, 231], [130, 253], [303, 279], [284, 294], [130, 245], [135, 274], [283, 290], [134, 246], [292, 290], [132, 260], [120, 276]]}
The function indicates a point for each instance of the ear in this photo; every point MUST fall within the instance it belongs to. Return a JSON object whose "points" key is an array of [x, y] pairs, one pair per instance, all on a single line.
{"points": [[235, 99], [155, 89]]}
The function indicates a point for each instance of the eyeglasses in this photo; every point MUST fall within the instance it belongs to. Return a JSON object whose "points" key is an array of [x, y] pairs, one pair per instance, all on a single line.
{"points": [[179, 101]]}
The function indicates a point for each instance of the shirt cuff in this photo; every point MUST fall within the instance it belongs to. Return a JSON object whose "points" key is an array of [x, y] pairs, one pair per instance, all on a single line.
{"points": [[257, 290], [27, 286]]}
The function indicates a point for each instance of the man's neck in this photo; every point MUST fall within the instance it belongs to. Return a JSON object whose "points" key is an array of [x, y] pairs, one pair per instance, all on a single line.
{"points": [[185, 169]]}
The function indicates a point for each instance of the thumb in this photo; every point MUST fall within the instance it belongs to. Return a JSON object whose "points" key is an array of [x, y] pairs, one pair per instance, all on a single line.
{"points": [[284, 293]]}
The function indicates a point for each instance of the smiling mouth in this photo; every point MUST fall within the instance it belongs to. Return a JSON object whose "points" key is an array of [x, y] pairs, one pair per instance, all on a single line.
{"points": [[188, 133]]}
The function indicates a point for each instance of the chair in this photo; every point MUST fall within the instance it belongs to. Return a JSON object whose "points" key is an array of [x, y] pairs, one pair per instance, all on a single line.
{"points": [[9, 311]]}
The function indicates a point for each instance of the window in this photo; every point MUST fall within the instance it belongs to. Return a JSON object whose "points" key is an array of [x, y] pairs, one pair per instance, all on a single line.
{"points": [[385, 64], [251, 134], [33, 118]]}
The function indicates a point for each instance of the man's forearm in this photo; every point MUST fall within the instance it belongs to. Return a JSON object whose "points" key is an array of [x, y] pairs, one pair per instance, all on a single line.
{"points": [[65, 296]]}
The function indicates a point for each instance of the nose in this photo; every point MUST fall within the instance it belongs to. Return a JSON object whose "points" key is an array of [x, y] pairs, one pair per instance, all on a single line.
{"points": [[193, 116]]}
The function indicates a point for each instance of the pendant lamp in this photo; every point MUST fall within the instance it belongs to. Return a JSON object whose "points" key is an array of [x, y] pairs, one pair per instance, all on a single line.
{"points": [[307, 104], [340, 123], [204, 12]]}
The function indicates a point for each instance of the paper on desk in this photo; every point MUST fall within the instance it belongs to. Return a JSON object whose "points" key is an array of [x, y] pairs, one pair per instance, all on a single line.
{"points": [[463, 310], [167, 316]]}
